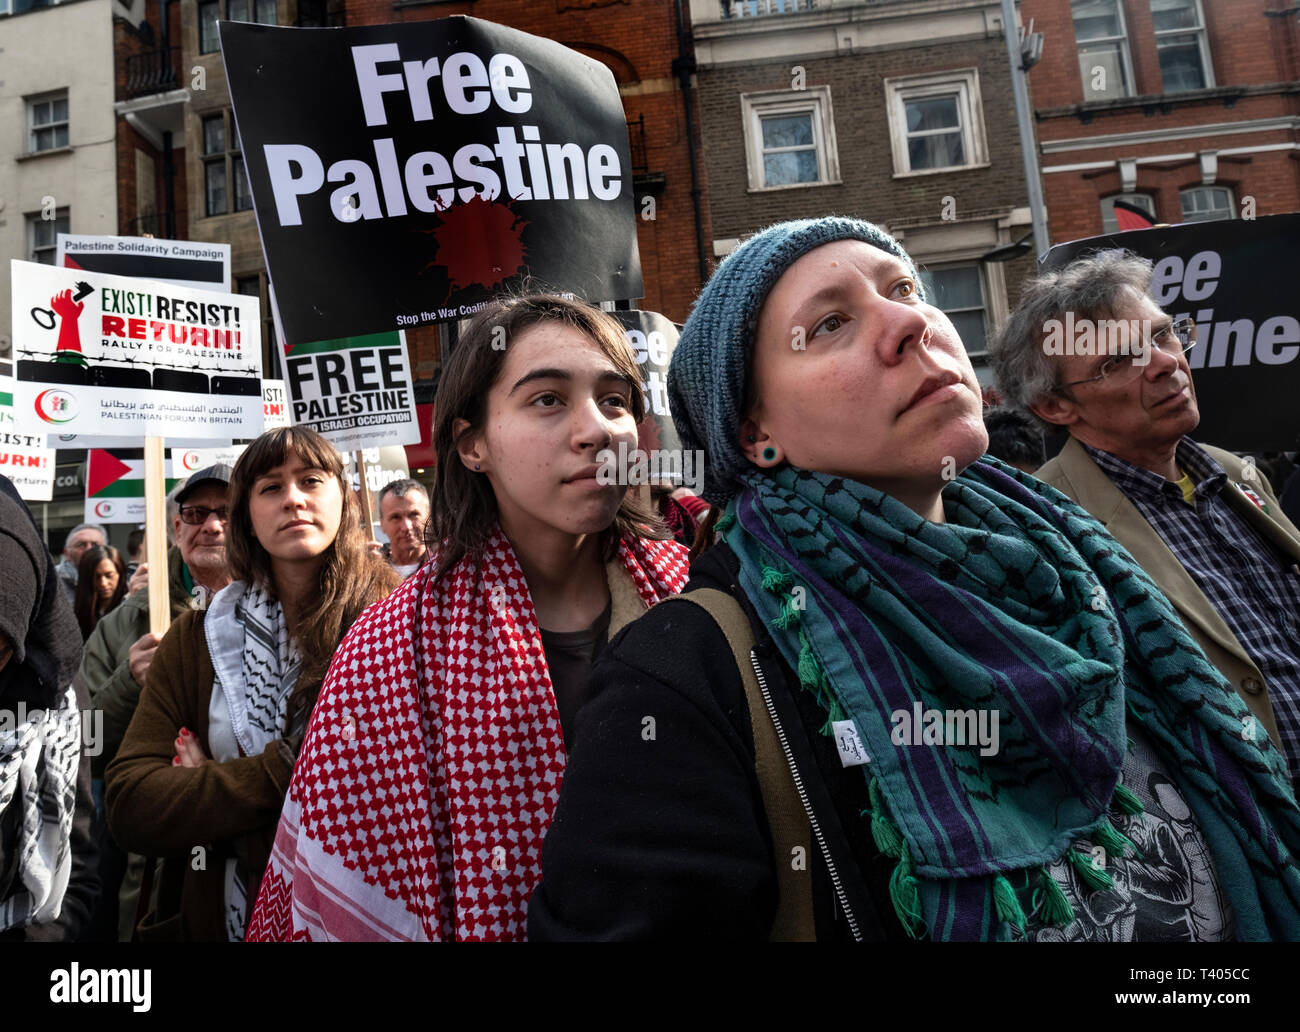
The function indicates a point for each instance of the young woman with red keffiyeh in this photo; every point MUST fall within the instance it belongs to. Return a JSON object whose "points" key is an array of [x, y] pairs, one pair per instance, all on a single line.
{"points": [[433, 762], [202, 770]]}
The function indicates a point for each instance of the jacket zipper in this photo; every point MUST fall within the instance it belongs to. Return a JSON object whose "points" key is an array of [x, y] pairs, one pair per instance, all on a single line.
{"points": [[803, 798]]}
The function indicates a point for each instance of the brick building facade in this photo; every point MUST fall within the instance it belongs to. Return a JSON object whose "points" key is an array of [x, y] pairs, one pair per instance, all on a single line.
{"points": [[901, 113], [1188, 108], [177, 86], [638, 41]]}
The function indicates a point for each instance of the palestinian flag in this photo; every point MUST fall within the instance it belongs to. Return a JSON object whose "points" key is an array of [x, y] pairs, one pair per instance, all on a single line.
{"points": [[115, 487]]}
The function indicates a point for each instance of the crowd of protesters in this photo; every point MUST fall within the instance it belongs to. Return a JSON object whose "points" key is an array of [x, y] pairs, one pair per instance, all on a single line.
{"points": [[929, 670]]}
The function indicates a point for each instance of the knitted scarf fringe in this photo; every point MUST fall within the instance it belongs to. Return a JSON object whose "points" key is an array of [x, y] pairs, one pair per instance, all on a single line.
{"points": [[1054, 908]]}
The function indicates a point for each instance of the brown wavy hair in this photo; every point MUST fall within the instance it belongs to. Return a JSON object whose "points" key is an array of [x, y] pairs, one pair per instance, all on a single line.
{"points": [[463, 507], [85, 604], [349, 578]]}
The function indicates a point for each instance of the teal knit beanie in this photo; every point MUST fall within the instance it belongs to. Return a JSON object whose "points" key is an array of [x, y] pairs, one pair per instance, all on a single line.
{"points": [[710, 366]]}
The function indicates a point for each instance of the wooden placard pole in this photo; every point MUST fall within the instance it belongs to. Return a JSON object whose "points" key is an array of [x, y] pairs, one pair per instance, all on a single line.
{"points": [[155, 534], [360, 461]]}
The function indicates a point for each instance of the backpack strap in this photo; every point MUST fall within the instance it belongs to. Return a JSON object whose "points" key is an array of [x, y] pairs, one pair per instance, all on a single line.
{"points": [[786, 817]]}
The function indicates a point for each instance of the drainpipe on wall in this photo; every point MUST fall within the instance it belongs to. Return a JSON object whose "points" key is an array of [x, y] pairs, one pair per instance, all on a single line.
{"points": [[684, 66]]}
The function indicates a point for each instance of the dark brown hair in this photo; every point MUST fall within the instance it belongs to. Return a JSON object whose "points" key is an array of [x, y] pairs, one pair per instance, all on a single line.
{"points": [[85, 604], [349, 578], [463, 505]]}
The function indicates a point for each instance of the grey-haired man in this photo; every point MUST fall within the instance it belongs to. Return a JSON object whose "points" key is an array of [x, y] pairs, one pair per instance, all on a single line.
{"points": [[1088, 350]]}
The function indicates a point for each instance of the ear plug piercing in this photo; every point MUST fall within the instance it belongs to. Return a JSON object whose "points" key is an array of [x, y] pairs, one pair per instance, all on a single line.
{"points": [[769, 454]]}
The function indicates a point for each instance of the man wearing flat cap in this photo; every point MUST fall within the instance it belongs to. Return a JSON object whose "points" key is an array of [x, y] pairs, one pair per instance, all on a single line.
{"points": [[121, 648]]}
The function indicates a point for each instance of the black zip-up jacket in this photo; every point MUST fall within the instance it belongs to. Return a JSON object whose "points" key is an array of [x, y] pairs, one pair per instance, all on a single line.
{"points": [[661, 832]]}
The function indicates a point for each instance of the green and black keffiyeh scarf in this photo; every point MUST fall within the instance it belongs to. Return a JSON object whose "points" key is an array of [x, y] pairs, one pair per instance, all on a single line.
{"points": [[1021, 606]]}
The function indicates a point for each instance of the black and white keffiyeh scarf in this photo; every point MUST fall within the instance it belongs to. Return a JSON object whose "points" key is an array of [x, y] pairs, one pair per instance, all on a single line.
{"points": [[257, 665], [40, 730]]}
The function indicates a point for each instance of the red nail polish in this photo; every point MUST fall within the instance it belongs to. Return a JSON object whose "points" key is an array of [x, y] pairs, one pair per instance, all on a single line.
{"points": [[184, 733], [175, 760]]}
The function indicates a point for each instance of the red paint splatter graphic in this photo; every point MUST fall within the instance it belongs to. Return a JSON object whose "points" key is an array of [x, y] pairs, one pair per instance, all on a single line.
{"points": [[480, 243]]}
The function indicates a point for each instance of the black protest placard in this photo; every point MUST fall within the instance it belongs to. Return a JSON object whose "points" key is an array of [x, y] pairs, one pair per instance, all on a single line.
{"points": [[652, 338], [404, 174], [1236, 279]]}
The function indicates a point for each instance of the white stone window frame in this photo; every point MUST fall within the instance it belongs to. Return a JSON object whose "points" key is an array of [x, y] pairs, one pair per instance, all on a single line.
{"points": [[1203, 44], [813, 99], [30, 104], [965, 82]]}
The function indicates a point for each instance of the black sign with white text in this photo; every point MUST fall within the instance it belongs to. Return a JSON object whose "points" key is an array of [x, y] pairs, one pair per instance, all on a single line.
{"points": [[1237, 281], [404, 174]]}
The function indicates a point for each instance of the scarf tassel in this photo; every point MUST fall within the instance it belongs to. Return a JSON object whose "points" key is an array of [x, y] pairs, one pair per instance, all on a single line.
{"points": [[1007, 904], [1055, 910], [1126, 802], [904, 891], [1091, 873], [1115, 843]]}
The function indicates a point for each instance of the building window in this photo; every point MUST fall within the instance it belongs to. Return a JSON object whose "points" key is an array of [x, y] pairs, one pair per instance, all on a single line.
{"points": [[1139, 200], [47, 122], [936, 122], [42, 235], [1207, 204], [1102, 43], [1181, 45], [260, 11], [958, 290], [790, 138], [223, 165]]}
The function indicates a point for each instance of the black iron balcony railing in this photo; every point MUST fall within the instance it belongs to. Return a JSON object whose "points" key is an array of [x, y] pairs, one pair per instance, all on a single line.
{"points": [[154, 71]]}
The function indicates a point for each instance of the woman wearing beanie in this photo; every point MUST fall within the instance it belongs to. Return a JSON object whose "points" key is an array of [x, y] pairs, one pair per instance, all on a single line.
{"points": [[954, 708], [201, 773], [434, 760]]}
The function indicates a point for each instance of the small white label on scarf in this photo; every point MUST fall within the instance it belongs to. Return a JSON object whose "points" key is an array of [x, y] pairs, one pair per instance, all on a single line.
{"points": [[852, 753]]}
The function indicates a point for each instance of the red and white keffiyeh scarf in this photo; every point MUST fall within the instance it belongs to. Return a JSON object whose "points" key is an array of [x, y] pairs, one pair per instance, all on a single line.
{"points": [[432, 766]]}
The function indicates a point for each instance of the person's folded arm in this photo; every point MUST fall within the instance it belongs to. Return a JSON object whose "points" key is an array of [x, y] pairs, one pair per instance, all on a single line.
{"points": [[155, 807]]}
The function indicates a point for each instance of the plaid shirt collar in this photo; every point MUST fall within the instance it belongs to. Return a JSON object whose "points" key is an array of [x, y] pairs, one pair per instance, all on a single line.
{"points": [[1136, 482]]}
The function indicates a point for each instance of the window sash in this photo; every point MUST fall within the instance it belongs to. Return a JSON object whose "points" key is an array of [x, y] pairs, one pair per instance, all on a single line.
{"points": [[1207, 204], [243, 196], [42, 235], [214, 135], [209, 40], [928, 150], [789, 165], [47, 124], [968, 318], [214, 187], [1109, 50]]}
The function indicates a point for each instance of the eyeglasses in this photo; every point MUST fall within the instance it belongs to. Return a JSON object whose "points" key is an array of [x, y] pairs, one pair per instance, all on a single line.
{"points": [[197, 515], [1124, 369]]}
